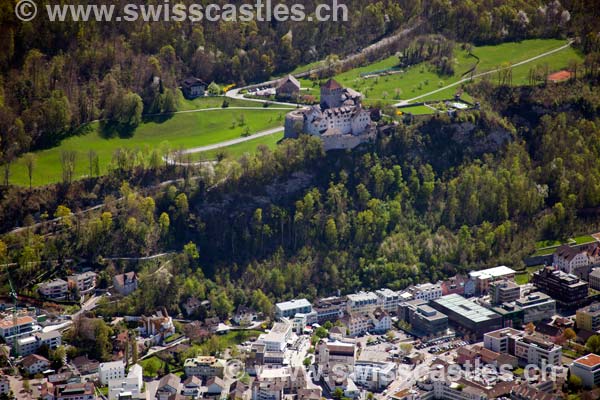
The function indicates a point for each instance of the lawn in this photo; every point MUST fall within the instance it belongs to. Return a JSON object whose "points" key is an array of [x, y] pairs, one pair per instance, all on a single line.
{"points": [[521, 278], [422, 78], [547, 247], [237, 150], [418, 110], [180, 131]]}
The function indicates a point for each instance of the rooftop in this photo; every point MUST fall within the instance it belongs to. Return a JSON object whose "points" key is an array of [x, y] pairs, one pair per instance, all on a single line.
{"points": [[293, 304], [495, 272], [8, 322], [500, 333], [591, 360], [466, 308], [363, 296]]}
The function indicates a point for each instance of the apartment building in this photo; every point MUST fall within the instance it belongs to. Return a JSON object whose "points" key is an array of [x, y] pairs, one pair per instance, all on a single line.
{"points": [[536, 307], [594, 279], [567, 290], [427, 291], [288, 309], [388, 300], [276, 339], [528, 348], [330, 309], [484, 277], [588, 369], [131, 384], [11, 330], [588, 318], [204, 367], [504, 291], [57, 289], [84, 282], [30, 344], [362, 302], [108, 371]]}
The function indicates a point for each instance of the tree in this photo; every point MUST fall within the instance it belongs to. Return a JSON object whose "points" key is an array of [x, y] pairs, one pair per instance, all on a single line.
{"points": [[29, 160], [569, 334], [575, 383], [67, 162], [593, 344], [214, 89], [102, 343]]}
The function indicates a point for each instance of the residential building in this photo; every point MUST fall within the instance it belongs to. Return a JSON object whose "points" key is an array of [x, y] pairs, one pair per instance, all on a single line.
{"points": [[426, 291], [577, 260], [4, 384], [125, 283], [84, 282], [288, 88], [388, 300], [57, 289], [504, 291], [374, 376], [271, 383], [330, 309], [340, 121], [204, 367], [111, 370], [85, 366], [423, 319], [356, 324], [244, 316], [484, 277], [567, 290], [276, 339], [588, 318], [594, 279], [192, 387], [168, 385], [528, 348], [131, 384], [328, 354], [588, 369], [35, 364], [31, 344], [379, 321], [362, 302], [76, 391], [459, 284], [536, 307], [193, 88], [466, 315], [12, 329], [215, 386], [288, 309]]}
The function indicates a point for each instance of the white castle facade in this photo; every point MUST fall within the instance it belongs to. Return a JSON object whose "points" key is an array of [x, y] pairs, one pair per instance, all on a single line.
{"points": [[340, 120]]}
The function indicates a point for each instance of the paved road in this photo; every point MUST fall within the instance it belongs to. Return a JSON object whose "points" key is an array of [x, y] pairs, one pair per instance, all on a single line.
{"points": [[405, 102]]}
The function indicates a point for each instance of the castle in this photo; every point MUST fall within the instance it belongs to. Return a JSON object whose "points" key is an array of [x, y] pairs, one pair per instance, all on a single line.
{"points": [[340, 120]]}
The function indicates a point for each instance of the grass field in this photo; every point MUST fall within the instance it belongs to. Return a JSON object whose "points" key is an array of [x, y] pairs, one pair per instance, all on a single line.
{"points": [[521, 278], [417, 110], [237, 150], [180, 131], [421, 79]]}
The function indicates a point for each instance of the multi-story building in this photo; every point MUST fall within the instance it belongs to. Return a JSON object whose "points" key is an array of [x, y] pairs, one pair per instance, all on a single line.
{"points": [[132, 384], [423, 319], [588, 369], [30, 344], [330, 309], [459, 284], [288, 309], [362, 302], [484, 277], [567, 290], [35, 364], [576, 261], [594, 279], [125, 283], [504, 291], [356, 324], [374, 376], [158, 326], [536, 307], [528, 348], [277, 338], [466, 315], [84, 282], [57, 289], [388, 300], [204, 367], [108, 371], [588, 318], [426, 291], [11, 330], [331, 354], [379, 321]]}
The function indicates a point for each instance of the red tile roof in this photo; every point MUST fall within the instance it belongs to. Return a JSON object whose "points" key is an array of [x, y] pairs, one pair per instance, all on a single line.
{"points": [[591, 360]]}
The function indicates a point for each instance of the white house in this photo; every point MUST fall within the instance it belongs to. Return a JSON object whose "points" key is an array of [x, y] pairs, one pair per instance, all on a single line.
{"points": [[35, 364], [111, 370], [131, 384]]}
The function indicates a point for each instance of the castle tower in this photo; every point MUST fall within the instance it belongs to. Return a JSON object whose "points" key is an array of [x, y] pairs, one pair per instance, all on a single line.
{"points": [[331, 94]]}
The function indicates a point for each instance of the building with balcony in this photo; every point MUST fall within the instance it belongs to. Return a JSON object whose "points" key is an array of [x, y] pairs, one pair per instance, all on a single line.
{"points": [[84, 282], [504, 291], [57, 289], [588, 318], [568, 290]]}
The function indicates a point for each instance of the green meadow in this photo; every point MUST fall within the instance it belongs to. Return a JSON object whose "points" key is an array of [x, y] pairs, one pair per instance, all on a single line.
{"points": [[181, 131], [237, 150]]}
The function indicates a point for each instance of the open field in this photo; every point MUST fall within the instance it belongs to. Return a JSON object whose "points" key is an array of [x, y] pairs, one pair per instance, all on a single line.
{"points": [[417, 110], [184, 130], [421, 79]]}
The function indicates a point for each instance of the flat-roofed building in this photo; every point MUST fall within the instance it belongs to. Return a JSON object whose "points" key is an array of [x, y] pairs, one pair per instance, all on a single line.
{"points": [[31, 344], [204, 367], [512, 315], [276, 339], [362, 302], [330, 309], [567, 290], [588, 318], [594, 279], [57, 289], [528, 348], [423, 319], [25, 326], [588, 369], [536, 307], [484, 277], [288, 309], [388, 299], [85, 282], [504, 291], [467, 315], [427, 291], [108, 371]]}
